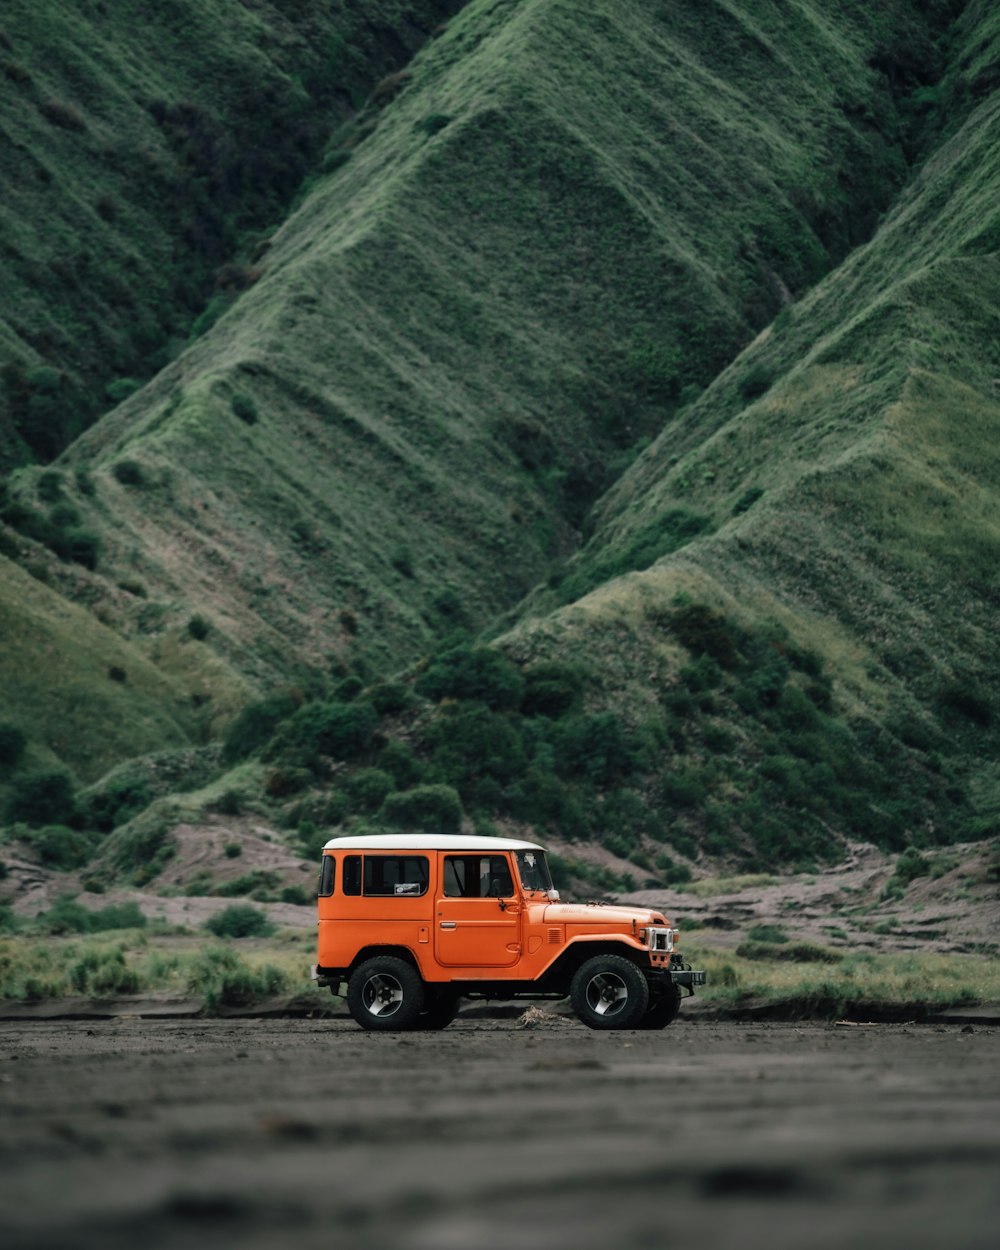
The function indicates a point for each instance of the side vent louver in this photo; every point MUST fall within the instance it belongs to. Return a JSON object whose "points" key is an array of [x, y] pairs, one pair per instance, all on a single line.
{"points": [[555, 937]]}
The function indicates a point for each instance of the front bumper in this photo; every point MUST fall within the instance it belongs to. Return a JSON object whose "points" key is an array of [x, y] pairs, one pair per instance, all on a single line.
{"points": [[687, 976]]}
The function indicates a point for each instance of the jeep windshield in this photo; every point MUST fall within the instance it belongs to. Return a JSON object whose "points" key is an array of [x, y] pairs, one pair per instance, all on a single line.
{"points": [[533, 871]]}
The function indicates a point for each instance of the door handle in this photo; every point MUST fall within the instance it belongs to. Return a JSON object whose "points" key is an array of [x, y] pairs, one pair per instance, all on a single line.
{"points": [[449, 924]]}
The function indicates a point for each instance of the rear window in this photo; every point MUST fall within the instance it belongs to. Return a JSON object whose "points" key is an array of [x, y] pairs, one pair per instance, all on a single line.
{"points": [[327, 875], [394, 876]]}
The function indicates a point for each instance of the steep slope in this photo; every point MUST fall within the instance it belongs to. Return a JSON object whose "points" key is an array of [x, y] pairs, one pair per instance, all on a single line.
{"points": [[844, 476], [567, 214], [145, 152]]}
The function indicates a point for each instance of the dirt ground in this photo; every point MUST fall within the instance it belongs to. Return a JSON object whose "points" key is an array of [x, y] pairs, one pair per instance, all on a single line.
{"points": [[530, 1132]]}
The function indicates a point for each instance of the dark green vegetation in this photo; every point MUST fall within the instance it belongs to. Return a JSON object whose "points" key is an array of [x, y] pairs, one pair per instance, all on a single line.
{"points": [[657, 344]]}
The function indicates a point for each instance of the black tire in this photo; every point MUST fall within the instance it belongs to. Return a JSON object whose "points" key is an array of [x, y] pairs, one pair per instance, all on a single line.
{"points": [[663, 1008], [609, 992], [442, 1008], [385, 993]]}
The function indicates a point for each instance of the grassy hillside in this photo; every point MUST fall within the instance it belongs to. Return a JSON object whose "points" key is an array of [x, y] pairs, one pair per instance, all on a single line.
{"points": [[551, 309], [146, 153], [836, 485], [565, 216]]}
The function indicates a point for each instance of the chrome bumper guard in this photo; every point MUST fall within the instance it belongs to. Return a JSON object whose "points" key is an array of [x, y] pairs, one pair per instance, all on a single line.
{"points": [[685, 976]]}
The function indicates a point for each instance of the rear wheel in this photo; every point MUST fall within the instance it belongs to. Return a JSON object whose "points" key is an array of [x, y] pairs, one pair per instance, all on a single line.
{"points": [[442, 1008], [662, 1009], [385, 993], [609, 992]]}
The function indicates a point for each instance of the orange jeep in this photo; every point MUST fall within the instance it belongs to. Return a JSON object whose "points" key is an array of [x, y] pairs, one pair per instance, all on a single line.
{"points": [[413, 922]]}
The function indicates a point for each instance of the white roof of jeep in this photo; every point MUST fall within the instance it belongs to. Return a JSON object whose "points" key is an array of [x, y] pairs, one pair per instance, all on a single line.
{"points": [[428, 842]]}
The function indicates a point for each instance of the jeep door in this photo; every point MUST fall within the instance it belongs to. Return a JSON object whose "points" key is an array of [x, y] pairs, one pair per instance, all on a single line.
{"points": [[477, 922]]}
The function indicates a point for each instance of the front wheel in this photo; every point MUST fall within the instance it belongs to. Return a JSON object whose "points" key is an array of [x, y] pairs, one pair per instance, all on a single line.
{"points": [[385, 993], [609, 992], [662, 1009]]}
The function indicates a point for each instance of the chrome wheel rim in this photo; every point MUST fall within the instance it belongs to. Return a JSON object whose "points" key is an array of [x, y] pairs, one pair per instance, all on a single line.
{"points": [[607, 994], [382, 994]]}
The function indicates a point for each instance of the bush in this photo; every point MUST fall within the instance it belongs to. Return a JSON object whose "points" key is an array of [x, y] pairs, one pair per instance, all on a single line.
{"points": [[369, 788], [254, 726], [225, 979], [792, 952], [552, 689], [339, 730], [50, 485], [65, 116], [42, 798], [12, 744], [347, 691], [399, 760], [129, 473], [244, 407], [705, 632], [594, 747], [68, 916], [389, 698], [104, 973], [473, 742], [239, 921], [116, 802], [294, 894], [198, 628], [477, 674], [756, 381], [59, 847], [430, 809], [911, 864]]}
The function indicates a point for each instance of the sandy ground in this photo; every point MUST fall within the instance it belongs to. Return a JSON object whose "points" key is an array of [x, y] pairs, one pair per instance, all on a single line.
{"points": [[259, 1133]]}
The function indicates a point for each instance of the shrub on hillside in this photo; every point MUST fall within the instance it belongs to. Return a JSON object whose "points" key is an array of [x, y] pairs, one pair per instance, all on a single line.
{"points": [[239, 921], [129, 473], [430, 809], [341, 731], [59, 847], [477, 674], [244, 407], [42, 798], [198, 628], [595, 747], [116, 801], [705, 632], [254, 726], [757, 381], [369, 788], [389, 698], [472, 742], [398, 759], [12, 744], [552, 688]]}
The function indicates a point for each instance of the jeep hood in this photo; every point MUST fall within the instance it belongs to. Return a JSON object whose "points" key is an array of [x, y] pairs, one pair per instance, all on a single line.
{"points": [[600, 913]]}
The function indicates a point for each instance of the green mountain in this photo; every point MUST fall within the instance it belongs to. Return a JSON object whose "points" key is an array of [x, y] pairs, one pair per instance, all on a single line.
{"points": [[657, 341]]}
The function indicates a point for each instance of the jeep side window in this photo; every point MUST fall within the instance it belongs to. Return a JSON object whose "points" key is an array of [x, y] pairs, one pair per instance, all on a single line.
{"points": [[380, 875], [327, 875], [477, 876], [352, 874]]}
